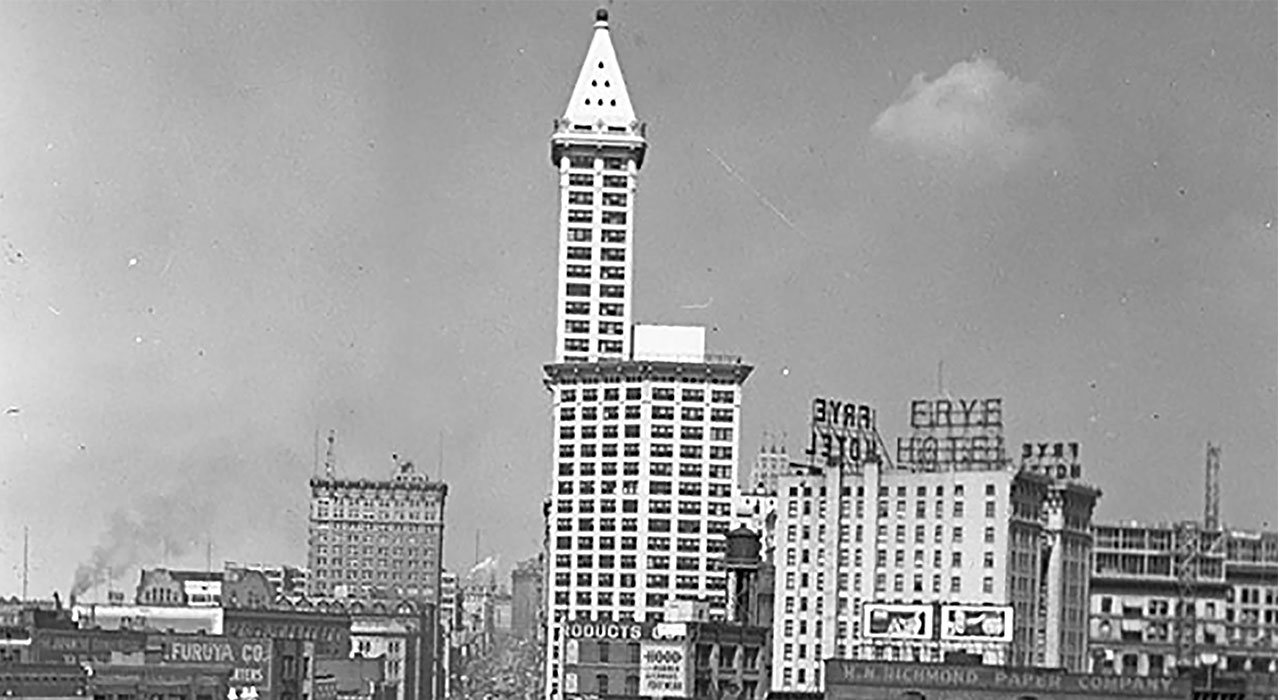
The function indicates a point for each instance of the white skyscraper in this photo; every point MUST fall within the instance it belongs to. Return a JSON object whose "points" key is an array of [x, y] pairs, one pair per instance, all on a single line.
{"points": [[646, 422], [598, 147]]}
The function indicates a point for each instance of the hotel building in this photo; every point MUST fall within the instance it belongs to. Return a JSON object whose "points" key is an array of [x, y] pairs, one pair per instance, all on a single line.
{"points": [[869, 552], [645, 421]]}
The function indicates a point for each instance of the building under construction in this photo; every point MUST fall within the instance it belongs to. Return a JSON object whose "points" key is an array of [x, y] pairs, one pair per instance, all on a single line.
{"points": [[1193, 596]]}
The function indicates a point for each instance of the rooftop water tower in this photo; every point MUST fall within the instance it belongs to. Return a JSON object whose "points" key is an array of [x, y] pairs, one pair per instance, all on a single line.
{"points": [[742, 561]]}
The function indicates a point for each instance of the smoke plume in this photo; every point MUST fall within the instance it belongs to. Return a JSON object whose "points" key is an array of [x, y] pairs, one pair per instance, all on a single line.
{"points": [[155, 531]]}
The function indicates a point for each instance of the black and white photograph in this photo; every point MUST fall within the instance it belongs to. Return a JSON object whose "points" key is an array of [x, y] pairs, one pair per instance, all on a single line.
{"points": [[629, 349]]}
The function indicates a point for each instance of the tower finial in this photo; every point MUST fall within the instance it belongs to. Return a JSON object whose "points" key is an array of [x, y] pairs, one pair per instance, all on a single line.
{"points": [[602, 15]]}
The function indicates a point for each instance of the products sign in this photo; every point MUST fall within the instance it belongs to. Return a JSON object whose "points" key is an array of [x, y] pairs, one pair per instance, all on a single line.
{"points": [[897, 621], [972, 623], [249, 659], [662, 670], [622, 631]]}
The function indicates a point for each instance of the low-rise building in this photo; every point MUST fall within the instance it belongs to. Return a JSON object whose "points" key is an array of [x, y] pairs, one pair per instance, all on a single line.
{"points": [[1136, 596], [43, 680], [692, 659]]}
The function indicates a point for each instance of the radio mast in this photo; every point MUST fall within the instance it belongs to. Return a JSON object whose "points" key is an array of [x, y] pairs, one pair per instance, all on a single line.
{"points": [[328, 456]]}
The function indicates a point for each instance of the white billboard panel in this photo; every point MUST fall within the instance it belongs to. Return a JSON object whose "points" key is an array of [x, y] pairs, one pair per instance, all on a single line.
{"points": [[977, 623], [663, 667], [886, 621]]}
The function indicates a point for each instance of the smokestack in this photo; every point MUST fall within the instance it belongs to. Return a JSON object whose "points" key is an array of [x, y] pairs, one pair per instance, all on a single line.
{"points": [[57, 601]]}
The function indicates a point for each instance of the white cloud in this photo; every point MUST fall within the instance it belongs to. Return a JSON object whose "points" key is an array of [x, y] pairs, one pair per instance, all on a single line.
{"points": [[973, 112]]}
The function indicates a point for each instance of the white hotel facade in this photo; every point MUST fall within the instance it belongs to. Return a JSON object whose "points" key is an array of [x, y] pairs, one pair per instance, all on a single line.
{"points": [[646, 423], [870, 535]]}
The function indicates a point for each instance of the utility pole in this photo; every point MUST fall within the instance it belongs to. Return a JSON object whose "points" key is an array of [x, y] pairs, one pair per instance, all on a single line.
{"points": [[26, 541]]}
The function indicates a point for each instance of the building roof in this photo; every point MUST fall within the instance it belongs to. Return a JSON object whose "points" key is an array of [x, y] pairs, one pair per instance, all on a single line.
{"points": [[600, 93]]}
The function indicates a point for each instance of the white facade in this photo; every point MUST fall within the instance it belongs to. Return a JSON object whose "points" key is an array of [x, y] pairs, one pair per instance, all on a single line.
{"points": [[202, 592], [643, 486], [646, 422], [771, 462], [598, 147], [183, 620], [846, 538], [373, 638]]}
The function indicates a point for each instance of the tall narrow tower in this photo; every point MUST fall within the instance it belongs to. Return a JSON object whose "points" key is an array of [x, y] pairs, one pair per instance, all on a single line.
{"points": [[645, 421], [598, 147]]}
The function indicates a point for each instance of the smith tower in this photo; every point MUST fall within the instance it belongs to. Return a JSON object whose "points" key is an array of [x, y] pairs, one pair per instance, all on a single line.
{"points": [[598, 147], [645, 421]]}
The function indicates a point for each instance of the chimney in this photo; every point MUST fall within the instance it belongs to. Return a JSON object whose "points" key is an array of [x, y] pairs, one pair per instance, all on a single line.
{"points": [[57, 601]]}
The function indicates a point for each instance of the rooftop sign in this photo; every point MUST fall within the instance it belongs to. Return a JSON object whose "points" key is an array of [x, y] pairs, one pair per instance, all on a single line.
{"points": [[958, 434], [842, 434], [1057, 460]]}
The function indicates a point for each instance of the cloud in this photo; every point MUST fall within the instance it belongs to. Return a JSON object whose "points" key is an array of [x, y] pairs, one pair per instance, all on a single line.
{"points": [[975, 112]]}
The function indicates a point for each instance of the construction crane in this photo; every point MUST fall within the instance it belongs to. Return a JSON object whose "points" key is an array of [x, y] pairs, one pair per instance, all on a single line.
{"points": [[328, 456], [1197, 544]]}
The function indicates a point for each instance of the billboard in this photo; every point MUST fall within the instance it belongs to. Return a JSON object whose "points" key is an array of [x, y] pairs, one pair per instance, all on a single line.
{"points": [[663, 670], [975, 623], [885, 621], [249, 658]]}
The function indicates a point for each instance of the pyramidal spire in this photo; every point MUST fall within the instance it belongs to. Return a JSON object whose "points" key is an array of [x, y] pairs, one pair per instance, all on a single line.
{"points": [[600, 93]]}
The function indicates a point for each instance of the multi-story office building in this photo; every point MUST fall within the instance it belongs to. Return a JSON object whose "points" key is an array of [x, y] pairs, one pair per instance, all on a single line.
{"points": [[755, 506], [646, 421], [528, 598], [377, 537], [936, 552], [1136, 598], [771, 462]]}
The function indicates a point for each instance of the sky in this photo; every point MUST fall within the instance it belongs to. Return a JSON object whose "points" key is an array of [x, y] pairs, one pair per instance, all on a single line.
{"points": [[226, 228]]}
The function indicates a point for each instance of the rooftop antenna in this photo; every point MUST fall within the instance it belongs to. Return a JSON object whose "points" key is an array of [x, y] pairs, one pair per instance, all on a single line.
{"points": [[315, 451], [328, 455], [440, 462], [939, 377]]}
